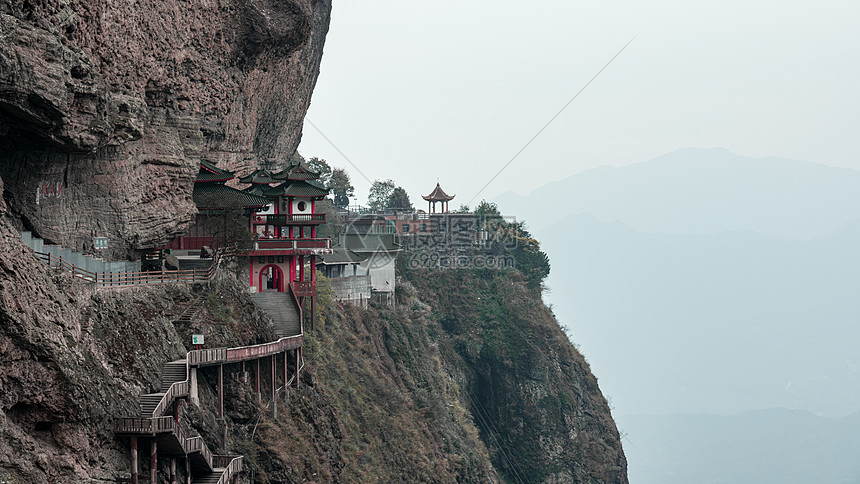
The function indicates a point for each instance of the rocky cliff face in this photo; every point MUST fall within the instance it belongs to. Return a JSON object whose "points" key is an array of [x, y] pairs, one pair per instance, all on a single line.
{"points": [[532, 395], [106, 108], [73, 359], [469, 379]]}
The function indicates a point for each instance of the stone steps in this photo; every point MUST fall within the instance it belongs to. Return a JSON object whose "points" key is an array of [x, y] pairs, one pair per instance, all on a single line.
{"points": [[282, 309], [173, 371], [148, 402], [212, 478]]}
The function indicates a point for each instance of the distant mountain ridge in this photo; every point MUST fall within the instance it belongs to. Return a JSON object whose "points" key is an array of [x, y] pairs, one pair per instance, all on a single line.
{"points": [[706, 282], [710, 323], [702, 191]]}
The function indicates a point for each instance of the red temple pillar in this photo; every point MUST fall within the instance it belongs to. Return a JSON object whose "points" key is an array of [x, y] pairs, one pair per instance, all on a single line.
{"points": [[301, 268]]}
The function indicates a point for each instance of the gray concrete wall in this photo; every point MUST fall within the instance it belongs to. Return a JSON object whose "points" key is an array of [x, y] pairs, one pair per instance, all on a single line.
{"points": [[354, 289]]}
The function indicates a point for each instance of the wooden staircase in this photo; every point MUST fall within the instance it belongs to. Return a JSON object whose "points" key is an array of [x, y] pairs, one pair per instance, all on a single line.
{"points": [[282, 308], [174, 372], [213, 478], [206, 467], [192, 309]]}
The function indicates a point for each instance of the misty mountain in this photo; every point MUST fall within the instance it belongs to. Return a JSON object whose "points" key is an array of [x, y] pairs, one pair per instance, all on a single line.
{"points": [[773, 446], [710, 323], [702, 191], [706, 282]]}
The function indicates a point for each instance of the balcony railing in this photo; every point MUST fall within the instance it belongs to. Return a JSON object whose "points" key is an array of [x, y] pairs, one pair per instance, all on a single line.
{"points": [[290, 219], [294, 244]]}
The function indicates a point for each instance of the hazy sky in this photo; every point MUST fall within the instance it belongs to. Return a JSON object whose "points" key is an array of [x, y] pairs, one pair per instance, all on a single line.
{"points": [[417, 91]]}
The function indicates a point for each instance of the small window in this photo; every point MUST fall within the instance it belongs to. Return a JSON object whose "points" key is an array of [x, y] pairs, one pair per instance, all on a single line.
{"points": [[100, 242], [302, 206], [405, 228], [271, 259], [423, 227], [262, 259]]}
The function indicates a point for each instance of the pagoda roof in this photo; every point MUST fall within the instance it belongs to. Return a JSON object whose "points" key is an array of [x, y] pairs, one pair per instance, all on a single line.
{"points": [[259, 176], [438, 195], [259, 190], [298, 188], [211, 173], [297, 171], [218, 196]]}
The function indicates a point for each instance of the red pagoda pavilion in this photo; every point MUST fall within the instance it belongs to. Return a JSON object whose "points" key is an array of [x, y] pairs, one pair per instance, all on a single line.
{"points": [[438, 195]]}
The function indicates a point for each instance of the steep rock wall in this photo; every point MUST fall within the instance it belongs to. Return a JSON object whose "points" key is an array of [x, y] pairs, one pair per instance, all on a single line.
{"points": [[106, 108], [72, 360], [532, 394]]}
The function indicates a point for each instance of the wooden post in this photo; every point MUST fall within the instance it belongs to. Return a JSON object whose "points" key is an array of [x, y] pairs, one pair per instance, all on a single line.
{"points": [[257, 378], [134, 475], [297, 366], [313, 311], [220, 392], [187, 470], [172, 470], [153, 461], [286, 394], [274, 359]]}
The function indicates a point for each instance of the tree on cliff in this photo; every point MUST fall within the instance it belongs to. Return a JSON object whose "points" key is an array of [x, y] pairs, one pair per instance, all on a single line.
{"points": [[380, 194], [511, 237], [322, 167], [341, 187], [399, 200]]}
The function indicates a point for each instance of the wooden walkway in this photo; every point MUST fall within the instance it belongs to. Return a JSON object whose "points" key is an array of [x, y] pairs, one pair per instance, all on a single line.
{"points": [[179, 378], [179, 381], [125, 279]]}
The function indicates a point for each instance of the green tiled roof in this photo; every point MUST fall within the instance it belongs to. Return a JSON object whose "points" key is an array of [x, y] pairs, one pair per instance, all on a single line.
{"points": [[297, 171], [259, 177], [216, 196], [259, 190], [298, 188], [211, 173], [341, 256], [370, 242]]}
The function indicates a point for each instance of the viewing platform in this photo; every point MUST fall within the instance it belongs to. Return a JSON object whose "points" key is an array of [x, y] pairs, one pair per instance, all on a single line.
{"points": [[284, 219], [287, 246]]}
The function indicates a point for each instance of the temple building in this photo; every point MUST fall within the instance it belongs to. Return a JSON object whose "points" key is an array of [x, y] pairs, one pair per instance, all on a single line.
{"points": [[283, 257], [438, 195], [215, 202], [280, 211]]}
